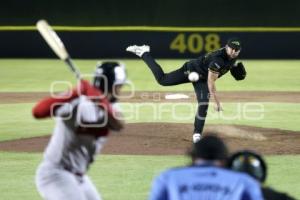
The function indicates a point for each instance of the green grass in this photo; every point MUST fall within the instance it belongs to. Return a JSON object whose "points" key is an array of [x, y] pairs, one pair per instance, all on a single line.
{"points": [[37, 75], [284, 173], [120, 177], [16, 120], [267, 115]]}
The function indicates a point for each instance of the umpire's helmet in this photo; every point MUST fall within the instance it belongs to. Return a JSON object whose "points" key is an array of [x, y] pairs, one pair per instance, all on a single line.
{"points": [[108, 75], [249, 162]]}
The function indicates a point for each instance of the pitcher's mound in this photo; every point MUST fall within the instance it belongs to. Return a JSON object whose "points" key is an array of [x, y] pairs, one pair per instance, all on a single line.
{"points": [[175, 139]]}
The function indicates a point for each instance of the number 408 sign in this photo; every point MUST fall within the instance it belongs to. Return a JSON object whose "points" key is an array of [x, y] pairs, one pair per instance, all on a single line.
{"points": [[195, 43]]}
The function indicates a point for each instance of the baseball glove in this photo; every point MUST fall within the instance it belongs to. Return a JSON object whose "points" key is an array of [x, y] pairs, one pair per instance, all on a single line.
{"points": [[238, 72]]}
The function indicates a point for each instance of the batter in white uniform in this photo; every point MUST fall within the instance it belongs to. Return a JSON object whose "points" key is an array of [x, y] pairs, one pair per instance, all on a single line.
{"points": [[83, 121]]}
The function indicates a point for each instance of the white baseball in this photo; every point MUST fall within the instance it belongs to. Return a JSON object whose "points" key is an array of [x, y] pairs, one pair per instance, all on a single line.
{"points": [[193, 76]]}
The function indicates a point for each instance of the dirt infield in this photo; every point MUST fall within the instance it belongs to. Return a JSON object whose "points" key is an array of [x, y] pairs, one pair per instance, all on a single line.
{"points": [[175, 139], [159, 97], [172, 138]]}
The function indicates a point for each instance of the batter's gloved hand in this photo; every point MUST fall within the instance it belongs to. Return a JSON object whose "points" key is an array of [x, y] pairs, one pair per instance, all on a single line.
{"points": [[238, 72]]}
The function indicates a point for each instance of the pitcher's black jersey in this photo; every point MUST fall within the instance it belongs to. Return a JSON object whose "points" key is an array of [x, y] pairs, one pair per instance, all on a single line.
{"points": [[216, 61]]}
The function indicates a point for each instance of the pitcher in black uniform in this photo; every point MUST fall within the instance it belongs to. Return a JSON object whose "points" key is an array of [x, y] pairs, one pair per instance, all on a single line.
{"points": [[209, 67]]}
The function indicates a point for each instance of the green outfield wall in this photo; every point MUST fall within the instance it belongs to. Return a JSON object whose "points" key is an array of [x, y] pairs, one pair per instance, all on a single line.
{"points": [[186, 13], [165, 42], [173, 28]]}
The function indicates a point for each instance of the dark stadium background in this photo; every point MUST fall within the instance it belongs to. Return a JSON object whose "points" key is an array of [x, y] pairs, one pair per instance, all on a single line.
{"points": [[268, 29]]}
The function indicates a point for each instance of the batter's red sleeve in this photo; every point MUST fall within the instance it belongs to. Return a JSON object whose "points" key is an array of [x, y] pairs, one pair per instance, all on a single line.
{"points": [[48, 105]]}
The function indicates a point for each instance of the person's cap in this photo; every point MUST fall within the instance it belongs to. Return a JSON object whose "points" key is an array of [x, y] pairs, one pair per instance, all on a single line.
{"points": [[234, 43], [210, 147]]}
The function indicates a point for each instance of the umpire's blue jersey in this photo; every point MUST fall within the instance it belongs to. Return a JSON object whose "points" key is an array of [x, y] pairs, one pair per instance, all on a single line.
{"points": [[204, 182]]}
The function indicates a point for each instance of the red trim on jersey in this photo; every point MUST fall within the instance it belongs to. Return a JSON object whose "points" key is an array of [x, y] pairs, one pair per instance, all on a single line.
{"points": [[48, 105]]}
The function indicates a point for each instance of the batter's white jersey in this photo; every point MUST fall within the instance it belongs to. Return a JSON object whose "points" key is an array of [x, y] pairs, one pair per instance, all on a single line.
{"points": [[70, 152]]}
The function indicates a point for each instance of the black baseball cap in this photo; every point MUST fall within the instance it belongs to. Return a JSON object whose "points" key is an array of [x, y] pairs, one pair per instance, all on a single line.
{"points": [[234, 43], [210, 147]]}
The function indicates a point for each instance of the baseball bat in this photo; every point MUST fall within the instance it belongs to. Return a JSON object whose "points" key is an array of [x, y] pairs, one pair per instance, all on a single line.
{"points": [[56, 45]]}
